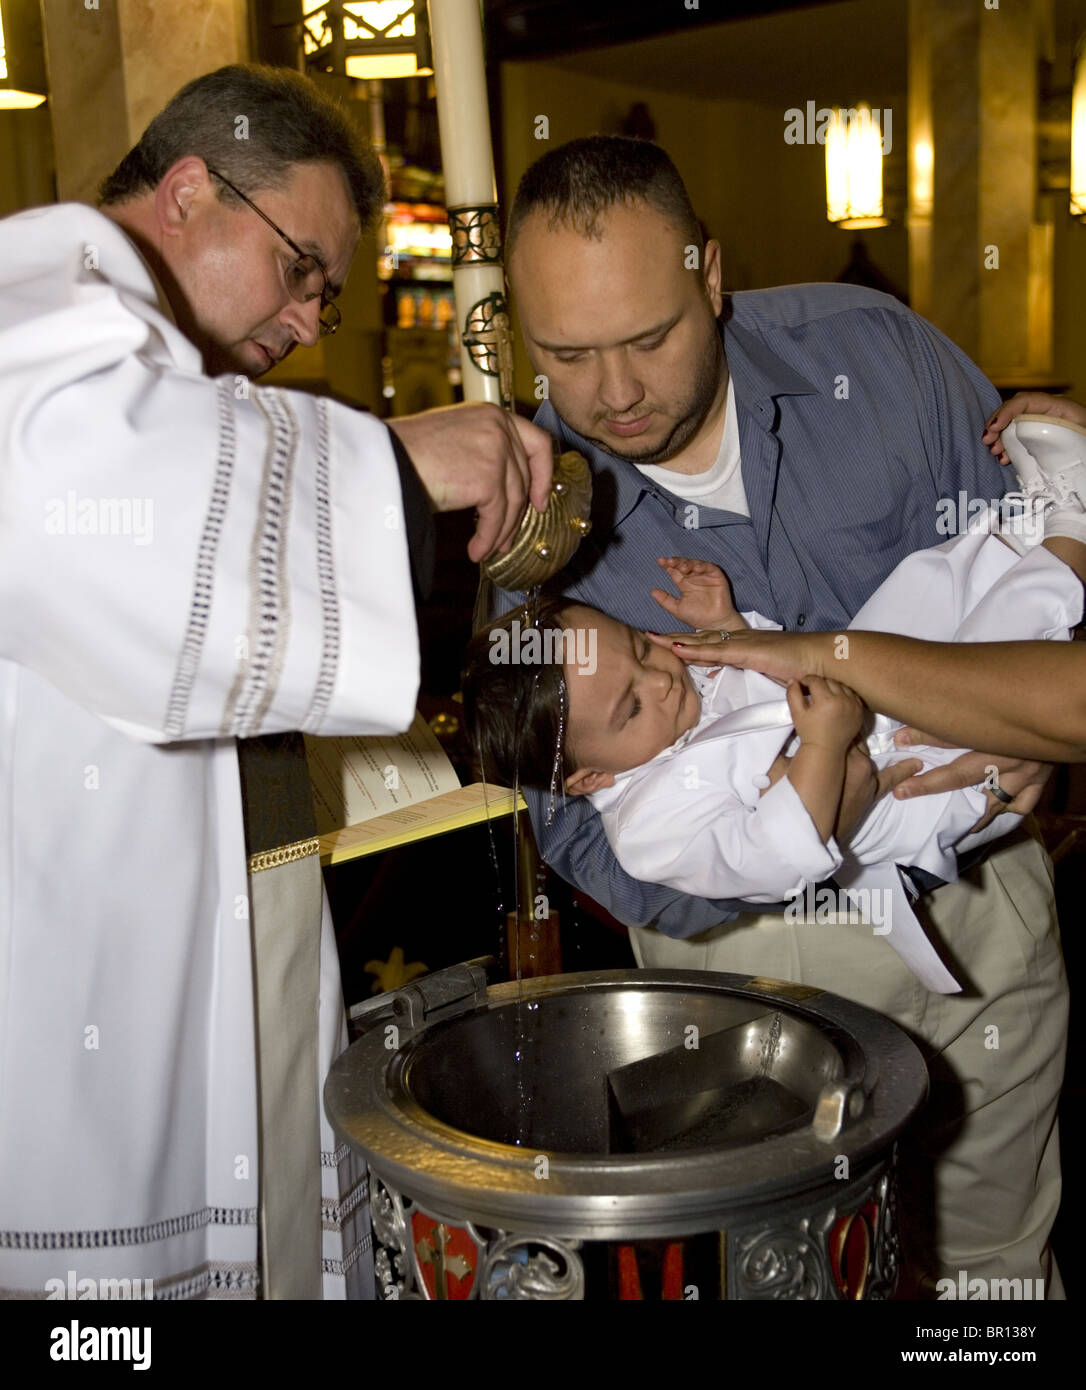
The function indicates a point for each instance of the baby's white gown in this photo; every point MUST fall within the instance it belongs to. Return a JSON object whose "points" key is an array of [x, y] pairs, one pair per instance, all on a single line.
{"points": [[695, 817]]}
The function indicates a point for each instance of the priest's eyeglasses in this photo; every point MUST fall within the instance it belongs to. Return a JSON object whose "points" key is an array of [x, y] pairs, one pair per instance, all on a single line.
{"points": [[305, 276]]}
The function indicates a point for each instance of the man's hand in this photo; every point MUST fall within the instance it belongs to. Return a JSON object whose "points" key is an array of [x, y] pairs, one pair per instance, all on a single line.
{"points": [[705, 596], [479, 456], [1020, 778], [1028, 403]]}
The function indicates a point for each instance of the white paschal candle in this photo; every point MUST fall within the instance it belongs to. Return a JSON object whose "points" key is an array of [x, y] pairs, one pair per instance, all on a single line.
{"points": [[486, 345]]}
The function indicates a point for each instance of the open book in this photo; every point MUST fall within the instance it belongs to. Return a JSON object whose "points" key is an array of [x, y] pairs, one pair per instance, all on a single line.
{"points": [[372, 793]]}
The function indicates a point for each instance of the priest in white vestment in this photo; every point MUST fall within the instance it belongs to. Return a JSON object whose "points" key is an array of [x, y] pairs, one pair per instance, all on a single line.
{"points": [[186, 560]]}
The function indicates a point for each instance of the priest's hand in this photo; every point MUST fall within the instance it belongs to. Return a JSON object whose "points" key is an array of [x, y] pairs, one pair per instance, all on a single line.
{"points": [[477, 455]]}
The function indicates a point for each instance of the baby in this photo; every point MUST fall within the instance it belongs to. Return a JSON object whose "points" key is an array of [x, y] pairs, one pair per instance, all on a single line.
{"points": [[712, 783]]}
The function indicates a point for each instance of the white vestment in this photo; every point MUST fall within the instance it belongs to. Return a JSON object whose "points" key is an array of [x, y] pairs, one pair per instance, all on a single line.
{"points": [[695, 816], [183, 561]]}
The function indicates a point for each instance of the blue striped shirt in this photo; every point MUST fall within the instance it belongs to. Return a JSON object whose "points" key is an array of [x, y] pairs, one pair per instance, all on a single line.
{"points": [[857, 418]]}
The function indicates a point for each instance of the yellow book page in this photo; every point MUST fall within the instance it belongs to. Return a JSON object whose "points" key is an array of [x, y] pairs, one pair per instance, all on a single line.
{"points": [[355, 779], [435, 816]]}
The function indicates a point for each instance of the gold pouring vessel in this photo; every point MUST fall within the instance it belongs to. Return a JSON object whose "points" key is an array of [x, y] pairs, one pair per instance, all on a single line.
{"points": [[547, 540]]}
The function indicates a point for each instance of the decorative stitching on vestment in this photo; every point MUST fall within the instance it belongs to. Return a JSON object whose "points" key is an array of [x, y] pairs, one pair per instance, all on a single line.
{"points": [[326, 578], [333, 1160], [196, 630], [285, 854], [350, 1259], [128, 1235], [274, 575], [217, 1280], [335, 1212], [269, 597]]}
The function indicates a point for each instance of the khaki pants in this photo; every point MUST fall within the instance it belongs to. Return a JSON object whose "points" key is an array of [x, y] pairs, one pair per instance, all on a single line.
{"points": [[980, 1167]]}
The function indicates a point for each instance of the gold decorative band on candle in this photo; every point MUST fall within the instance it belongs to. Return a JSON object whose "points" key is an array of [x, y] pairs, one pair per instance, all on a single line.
{"points": [[476, 235], [488, 340]]}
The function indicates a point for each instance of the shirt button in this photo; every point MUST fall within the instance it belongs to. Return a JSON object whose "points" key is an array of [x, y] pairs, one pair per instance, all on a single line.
{"points": [[801, 620]]}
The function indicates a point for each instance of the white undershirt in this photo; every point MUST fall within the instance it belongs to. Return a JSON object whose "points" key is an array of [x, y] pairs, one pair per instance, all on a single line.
{"points": [[722, 485]]}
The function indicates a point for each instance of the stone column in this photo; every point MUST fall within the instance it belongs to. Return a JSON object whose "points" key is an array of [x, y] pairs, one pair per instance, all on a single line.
{"points": [[980, 250], [113, 64]]}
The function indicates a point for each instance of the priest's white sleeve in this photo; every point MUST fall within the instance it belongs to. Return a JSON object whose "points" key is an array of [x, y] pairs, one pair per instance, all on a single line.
{"points": [[187, 557]]}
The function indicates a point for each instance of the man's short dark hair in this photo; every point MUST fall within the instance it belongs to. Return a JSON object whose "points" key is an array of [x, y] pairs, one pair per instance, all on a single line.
{"points": [[579, 181], [253, 125], [517, 713]]}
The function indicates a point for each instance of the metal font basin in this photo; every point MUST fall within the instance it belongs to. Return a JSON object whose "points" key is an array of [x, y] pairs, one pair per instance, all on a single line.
{"points": [[624, 1107]]}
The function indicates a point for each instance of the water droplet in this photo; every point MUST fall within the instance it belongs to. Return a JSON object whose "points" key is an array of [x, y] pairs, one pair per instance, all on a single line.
{"points": [[556, 769]]}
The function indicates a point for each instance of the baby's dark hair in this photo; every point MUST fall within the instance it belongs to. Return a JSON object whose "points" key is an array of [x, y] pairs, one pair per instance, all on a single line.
{"points": [[515, 709]]}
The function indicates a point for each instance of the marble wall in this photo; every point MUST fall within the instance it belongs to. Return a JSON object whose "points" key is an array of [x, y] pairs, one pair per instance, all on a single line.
{"points": [[26, 160], [114, 64], [981, 262]]}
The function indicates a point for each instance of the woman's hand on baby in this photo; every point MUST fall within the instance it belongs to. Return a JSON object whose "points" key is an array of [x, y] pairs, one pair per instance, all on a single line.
{"points": [[825, 712], [783, 656], [705, 596]]}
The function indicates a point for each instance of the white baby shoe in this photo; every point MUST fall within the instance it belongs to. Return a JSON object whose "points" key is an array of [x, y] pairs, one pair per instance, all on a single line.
{"points": [[1049, 457]]}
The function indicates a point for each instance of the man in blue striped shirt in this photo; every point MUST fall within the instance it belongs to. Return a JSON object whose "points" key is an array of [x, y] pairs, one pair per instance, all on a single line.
{"points": [[805, 439]]}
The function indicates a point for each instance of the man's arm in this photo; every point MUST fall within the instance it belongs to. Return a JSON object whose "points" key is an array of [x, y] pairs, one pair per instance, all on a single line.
{"points": [[953, 400], [418, 521]]}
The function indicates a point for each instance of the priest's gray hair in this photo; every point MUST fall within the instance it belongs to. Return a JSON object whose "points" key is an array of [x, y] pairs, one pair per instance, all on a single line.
{"points": [[252, 124], [579, 181]]}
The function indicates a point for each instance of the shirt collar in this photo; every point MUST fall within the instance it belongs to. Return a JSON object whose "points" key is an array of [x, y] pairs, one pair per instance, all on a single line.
{"points": [[758, 373]]}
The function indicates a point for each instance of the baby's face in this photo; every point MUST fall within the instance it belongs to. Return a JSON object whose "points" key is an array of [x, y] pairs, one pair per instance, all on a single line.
{"points": [[636, 702]]}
